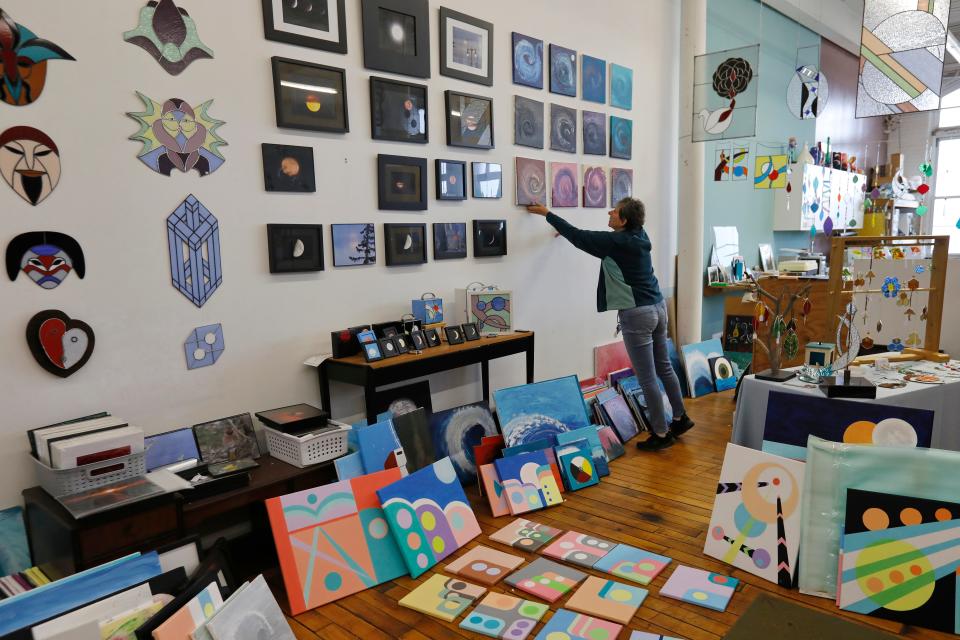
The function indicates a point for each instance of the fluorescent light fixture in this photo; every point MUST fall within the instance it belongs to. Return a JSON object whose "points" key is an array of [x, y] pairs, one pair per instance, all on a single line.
{"points": [[306, 87]]}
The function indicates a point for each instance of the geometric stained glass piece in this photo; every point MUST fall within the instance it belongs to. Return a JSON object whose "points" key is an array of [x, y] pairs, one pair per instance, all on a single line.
{"points": [[725, 85], [193, 239], [204, 346]]}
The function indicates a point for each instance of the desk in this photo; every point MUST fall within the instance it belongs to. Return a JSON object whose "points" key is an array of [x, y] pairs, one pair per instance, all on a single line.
{"points": [[370, 375]]}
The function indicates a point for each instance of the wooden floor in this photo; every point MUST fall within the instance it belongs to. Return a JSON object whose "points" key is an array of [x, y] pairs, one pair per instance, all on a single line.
{"points": [[658, 501]]}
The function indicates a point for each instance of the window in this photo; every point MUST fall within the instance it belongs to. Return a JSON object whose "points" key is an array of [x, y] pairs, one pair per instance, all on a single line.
{"points": [[950, 110], [946, 202]]}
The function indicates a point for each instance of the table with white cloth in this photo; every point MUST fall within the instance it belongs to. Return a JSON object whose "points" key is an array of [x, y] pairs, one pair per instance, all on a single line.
{"points": [[943, 399]]}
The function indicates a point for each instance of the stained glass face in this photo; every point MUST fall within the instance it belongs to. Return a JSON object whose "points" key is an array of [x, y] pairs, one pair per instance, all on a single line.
{"points": [[725, 94]]}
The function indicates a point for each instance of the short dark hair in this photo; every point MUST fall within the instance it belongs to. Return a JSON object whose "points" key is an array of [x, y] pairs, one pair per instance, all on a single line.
{"points": [[632, 212]]}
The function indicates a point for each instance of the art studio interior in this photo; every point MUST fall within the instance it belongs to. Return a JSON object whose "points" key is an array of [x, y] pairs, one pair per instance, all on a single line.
{"points": [[540, 320]]}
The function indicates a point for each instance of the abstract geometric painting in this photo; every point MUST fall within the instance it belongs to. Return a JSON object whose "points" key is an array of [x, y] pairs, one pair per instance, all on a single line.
{"points": [[621, 138], [632, 564], [204, 346], [699, 587], [770, 172], [23, 77], [563, 128], [593, 79], [531, 178], [576, 464], [607, 599], [501, 616], [527, 122], [621, 185], [177, 136], [588, 433], [725, 94], [594, 187], [528, 482], [526, 535], [755, 525], [169, 35], [568, 625], [193, 241], [59, 343], [455, 432], [540, 410], [645, 635], [484, 565], [696, 360], [29, 162], [730, 162], [901, 56], [581, 549], [380, 447], [527, 61], [621, 86], [429, 515], [491, 487], [563, 71], [333, 540], [546, 579], [442, 597], [565, 189], [594, 133]]}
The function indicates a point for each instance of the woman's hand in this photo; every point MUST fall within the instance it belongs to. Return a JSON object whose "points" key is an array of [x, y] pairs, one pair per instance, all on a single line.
{"points": [[538, 209]]}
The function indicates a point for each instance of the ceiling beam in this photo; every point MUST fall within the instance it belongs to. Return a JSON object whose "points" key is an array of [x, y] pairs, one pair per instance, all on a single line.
{"points": [[844, 35]]}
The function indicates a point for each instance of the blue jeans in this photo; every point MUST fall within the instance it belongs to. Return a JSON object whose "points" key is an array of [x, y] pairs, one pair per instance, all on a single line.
{"points": [[645, 336]]}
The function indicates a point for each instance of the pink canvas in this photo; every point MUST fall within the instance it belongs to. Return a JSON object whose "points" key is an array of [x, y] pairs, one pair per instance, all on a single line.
{"points": [[565, 187], [699, 587], [610, 357], [492, 488], [484, 565]]}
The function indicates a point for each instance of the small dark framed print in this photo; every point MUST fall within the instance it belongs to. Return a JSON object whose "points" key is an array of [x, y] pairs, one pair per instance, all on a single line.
{"points": [[489, 238], [451, 180], [354, 244], [487, 180], [309, 96], [402, 183], [454, 335], [318, 24], [387, 347], [398, 111], [295, 248], [288, 168], [405, 243], [390, 332], [469, 120], [449, 240], [403, 342], [470, 331], [396, 36], [432, 336], [466, 47], [417, 340], [371, 351], [621, 138]]}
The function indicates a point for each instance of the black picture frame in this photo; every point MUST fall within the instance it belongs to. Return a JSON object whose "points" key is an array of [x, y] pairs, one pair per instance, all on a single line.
{"points": [[454, 334], [432, 336], [487, 179], [469, 120], [449, 240], [387, 348], [418, 341], [395, 236], [470, 331], [401, 183], [298, 34], [282, 247], [288, 168], [403, 342], [295, 79], [412, 18], [371, 351], [457, 62], [451, 174], [392, 118], [489, 238]]}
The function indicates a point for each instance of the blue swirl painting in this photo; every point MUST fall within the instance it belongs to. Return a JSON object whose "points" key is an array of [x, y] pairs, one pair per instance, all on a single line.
{"points": [[563, 71], [540, 410], [593, 79], [455, 432], [621, 86], [527, 61]]}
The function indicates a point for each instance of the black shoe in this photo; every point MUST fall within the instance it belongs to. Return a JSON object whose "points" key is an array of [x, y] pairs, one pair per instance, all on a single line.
{"points": [[681, 425], [656, 443]]}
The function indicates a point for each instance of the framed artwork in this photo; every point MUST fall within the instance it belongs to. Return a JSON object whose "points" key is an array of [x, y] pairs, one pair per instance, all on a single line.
{"points": [[725, 85], [398, 111], [564, 186], [527, 61], [621, 138], [563, 128], [487, 179], [489, 238], [396, 36], [294, 248], [372, 353], [170, 447], [309, 96], [470, 331], [593, 79], [319, 24], [404, 399], [288, 168], [389, 350], [594, 187], [492, 311], [770, 171], [730, 162], [563, 71], [405, 243], [594, 133], [621, 87], [469, 120], [353, 244], [451, 180], [527, 122], [621, 185], [227, 439], [402, 183], [449, 240], [466, 47], [531, 181]]}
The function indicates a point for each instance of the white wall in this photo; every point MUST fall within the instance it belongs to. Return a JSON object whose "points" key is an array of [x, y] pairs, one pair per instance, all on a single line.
{"points": [[116, 208]]}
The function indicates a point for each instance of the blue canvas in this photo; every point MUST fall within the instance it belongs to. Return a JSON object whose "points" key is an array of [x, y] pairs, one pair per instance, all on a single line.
{"points": [[621, 86], [621, 138], [380, 447], [428, 310], [593, 79], [204, 346], [563, 71], [168, 448], [193, 239], [576, 465], [592, 436], [527, 61], [14, 552], [455, 432], [526, 447], [528, 481], [568, 625], [696, 360], [631, 386], [540, 410], [349, 466], [677, 366]]}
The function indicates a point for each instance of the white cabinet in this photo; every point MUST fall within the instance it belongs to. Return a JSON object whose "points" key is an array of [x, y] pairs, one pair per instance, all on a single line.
{"points": [[817, 194]]}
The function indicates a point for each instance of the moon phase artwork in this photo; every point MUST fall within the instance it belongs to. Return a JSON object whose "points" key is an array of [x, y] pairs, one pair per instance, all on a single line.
{"points": [[489, 238], [309, 96], [398, 111], [288, 168], [295, 248], [563, 128], [406, 244]]}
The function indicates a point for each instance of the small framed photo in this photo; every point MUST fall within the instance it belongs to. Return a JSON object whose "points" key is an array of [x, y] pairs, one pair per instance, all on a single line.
{"points": [[451, 180], [288, 168], [489, 238], [354, 245], [398, 111], [432, 336], [396, 36], [403, 342], [309, 96], [295, 248], [318, 24], [418, 341], [469, 120], [371, 351], [487, 180], [466, 47], [454, 335], [390, 332], [226, 439], [402, 183], [470, 331], [406, 243], [388, 348], [621, 138], [449, 240]]}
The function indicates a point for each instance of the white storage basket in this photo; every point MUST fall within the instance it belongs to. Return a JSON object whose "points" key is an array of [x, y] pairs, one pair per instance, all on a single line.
{"points": [[307, 450], [65, 482]]}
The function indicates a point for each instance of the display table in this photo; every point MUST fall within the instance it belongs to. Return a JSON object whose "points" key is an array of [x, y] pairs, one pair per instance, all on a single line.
{"points": [[942, 399]]}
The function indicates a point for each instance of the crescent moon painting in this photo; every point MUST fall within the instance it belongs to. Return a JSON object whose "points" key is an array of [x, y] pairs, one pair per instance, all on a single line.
{"points": [[406, 243]]}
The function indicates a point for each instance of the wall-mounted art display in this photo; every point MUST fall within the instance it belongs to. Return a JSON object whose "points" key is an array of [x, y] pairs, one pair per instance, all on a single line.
{"points": [[405, 243], [23, 78], [29, 162], [193, 240], [487, 179], [396, 36], [353, 244], [594, 133], [527, 61], [169, 35], [177, 136], [288, 168], [725, 85], [621, 86], [621, 185], [621, 138], [531, 181], [449, 240], [59, 344], [398, 111], [808, 89], [594, 187], [466, 47], [593, 79], [563, 128], [489, 238], [402, 183], [492, 311], [309, 96], [901, 57], [469, 120], [319, 24], [527, 122], [204, 346], [295, 248], [46, 257], [565, 189], [563, 71], [451, 180]]}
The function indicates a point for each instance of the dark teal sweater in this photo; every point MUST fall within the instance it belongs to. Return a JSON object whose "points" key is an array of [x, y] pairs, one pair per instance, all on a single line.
{"points": [[626, 269]]}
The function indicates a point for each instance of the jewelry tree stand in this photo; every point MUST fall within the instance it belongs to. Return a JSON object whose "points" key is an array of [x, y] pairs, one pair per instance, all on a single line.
{"points": [[779, 319]]}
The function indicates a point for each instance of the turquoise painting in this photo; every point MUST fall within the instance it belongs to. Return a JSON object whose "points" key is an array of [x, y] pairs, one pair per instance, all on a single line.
{"points": [[540, 410]]}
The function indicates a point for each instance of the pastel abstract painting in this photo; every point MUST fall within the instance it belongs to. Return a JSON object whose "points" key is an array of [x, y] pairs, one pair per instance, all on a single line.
{"points": [[725, 87], [484, 565], [528, 482], [568, 625], [526, 535], [501, 616], [576, 463], [442, 597], [632, 564], [612, 447], [696, 361], [564, 184], [546, 579], [594, 187], [493, 489], [455, 432], [581, 549], [531, 180], [699, 587], [588, 433], [540, 410], [607, 599]]}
